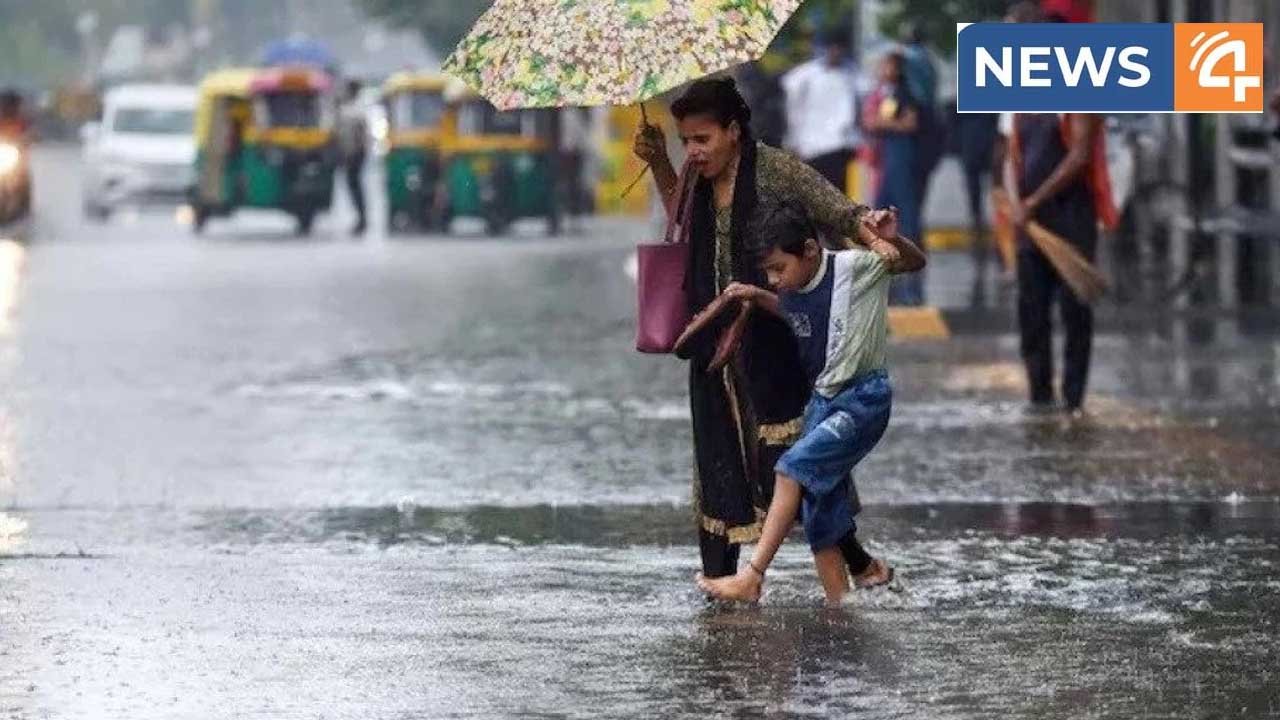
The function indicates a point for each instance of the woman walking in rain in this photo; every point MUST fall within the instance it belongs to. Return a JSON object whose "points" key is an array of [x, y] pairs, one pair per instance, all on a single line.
{"points": [[746, 415]]}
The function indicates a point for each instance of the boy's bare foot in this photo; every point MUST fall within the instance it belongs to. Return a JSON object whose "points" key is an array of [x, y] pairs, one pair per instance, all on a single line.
{"points": [[833, 573], [877, 574], [745, 586]]}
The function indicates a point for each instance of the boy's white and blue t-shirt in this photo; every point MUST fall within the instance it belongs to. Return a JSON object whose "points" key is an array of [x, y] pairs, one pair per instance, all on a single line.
{"points": [[840, 323], [839, 318]]}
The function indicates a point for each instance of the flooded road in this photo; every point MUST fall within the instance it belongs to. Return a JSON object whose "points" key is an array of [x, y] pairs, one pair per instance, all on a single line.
{"points": [[252, 476]]}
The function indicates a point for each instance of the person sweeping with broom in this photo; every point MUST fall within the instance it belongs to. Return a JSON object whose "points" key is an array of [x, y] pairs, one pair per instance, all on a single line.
{"points": [[1053, 181]]}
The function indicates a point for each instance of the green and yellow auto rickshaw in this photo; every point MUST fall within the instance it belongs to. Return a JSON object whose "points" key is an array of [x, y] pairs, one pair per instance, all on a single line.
{"points": [[418, 122], [265, 139], [499, 165]]}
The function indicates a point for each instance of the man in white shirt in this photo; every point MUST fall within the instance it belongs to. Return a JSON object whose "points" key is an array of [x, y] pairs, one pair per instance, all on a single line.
{"points": [[353, 134], [822, 111], [575, 151]]}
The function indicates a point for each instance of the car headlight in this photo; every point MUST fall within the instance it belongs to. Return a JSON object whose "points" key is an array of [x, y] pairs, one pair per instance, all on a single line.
{"points": [[10, 157]]}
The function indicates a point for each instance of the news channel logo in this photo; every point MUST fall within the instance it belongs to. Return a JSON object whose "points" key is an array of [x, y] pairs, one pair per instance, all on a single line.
{"points": [[1110, 67]]}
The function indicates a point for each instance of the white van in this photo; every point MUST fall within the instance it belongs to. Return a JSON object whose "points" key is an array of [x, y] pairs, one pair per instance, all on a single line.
{"points": [[143, 151]]}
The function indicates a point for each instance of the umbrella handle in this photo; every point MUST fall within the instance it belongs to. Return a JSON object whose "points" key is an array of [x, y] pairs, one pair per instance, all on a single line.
{"points": [[635, 182], [644, 119]]}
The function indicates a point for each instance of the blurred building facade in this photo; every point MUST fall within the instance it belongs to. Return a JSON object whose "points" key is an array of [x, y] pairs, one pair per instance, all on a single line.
{"points": [[1229, 163]]}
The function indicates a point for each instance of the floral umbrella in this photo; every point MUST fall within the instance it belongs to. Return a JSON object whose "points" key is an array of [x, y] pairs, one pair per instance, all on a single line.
{"points": [[556, 53]]}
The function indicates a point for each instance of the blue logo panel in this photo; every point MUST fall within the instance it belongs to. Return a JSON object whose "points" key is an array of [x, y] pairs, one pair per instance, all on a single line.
{"points": [[1061, 67]]}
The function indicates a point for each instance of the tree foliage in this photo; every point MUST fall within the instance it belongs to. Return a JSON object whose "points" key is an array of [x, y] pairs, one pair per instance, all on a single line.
{"points": [[937, 19], [39, 44], [442, 22]]}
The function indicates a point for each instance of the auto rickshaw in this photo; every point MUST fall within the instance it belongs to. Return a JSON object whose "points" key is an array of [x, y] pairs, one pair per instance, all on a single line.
{"points": [[265, 139], [417, 124], [499, 166]]}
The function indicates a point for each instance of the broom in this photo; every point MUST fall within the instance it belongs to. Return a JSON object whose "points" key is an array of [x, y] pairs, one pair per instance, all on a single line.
{"points": [[1085, 281]]}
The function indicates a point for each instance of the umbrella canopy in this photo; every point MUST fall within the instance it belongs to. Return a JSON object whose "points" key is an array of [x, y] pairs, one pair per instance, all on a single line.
{"points": [[555, 53], [299, 51]]}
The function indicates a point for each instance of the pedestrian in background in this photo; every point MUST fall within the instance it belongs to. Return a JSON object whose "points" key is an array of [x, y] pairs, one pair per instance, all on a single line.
{"points": [[1047, 171], [763, 91], [353, 147], [1275, 108], [822, 110], [975, 135], [892, 115], [1046, 176], [575, 148], [920, 74]]}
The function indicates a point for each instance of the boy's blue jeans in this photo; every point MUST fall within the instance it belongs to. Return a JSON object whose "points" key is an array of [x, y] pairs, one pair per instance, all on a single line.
{"points": [[838, 433]]}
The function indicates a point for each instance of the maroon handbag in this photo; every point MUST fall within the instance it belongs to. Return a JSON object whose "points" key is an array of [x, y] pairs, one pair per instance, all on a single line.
{"points": [[662, 310]]}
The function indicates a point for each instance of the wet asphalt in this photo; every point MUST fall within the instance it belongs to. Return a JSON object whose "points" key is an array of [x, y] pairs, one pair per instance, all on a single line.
{"points": [[250, 475]]}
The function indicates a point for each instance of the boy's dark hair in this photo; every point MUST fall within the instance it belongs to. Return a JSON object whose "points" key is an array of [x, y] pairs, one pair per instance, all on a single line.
{"points": [[784, 226], [717, 97]]}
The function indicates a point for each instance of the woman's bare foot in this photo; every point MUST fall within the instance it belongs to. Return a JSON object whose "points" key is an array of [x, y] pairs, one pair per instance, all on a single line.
{"points": [[878, 573], [745, 586]]}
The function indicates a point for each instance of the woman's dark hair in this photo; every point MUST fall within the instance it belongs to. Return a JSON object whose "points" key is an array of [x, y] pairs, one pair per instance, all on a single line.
{"points": [[781, 225], [717, 97]]}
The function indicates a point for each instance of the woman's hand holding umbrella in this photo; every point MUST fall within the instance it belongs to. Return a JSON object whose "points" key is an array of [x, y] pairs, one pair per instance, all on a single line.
{"points": [[650, 145]]}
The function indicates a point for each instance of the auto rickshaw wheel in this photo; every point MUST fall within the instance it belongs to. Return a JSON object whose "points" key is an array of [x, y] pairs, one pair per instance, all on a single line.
{"points": [[305, 220], [441, 219], [497, 220], [496, 225], [397, 222], [95, 212], [24, 201], [199, 218], [553, 222]]}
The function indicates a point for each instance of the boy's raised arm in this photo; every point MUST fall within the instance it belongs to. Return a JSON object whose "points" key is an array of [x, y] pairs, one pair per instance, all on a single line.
{"points": [[900, 254]]}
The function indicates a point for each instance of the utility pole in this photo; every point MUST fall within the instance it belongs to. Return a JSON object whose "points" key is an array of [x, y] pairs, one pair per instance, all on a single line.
{"points": [[205, 15], [296, 18], [87, 29], [855, 32]]}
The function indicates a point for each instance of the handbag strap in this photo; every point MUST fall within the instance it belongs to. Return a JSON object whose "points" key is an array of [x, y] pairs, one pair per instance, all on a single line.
{"points": [[678, 216]]}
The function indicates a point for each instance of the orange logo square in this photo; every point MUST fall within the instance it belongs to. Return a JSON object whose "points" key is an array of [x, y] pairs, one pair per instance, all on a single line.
{"points": [[1217, 67]]}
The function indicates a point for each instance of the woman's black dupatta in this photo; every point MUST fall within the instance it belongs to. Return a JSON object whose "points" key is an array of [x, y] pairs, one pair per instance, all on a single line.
{"points": [[764, 385]]}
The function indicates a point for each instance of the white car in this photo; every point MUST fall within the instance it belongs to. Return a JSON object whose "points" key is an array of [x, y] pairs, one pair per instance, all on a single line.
{"points": [[143, 151]]}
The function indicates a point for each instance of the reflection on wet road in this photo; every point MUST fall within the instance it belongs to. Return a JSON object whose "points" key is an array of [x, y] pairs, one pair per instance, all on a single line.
{"points": [[1026, 611], [257, 477]]}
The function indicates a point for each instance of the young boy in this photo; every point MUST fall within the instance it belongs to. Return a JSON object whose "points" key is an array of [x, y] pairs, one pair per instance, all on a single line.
{"points": [[836, 303]]}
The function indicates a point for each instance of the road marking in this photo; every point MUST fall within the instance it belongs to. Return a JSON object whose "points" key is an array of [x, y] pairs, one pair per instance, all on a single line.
{"points": [[918, 323]]}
